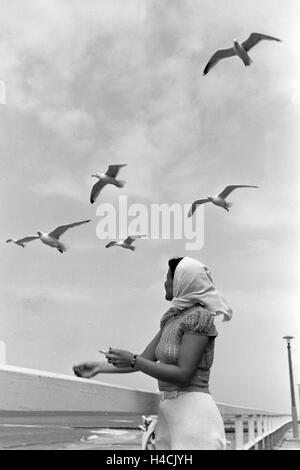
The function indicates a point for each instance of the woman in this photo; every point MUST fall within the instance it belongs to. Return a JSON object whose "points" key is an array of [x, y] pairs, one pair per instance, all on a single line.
{"points": [[180, 357]]}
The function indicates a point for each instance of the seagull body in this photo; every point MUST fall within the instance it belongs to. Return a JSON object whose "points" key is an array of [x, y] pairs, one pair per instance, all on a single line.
{"points": [[241, 52], [106, 178], [126, 243], [220, 199], [51, 239], [238, 49]]}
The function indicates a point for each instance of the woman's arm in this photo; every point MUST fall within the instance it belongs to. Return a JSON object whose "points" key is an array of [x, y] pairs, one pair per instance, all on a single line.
{"points": [[91, 368], [191, 350]]}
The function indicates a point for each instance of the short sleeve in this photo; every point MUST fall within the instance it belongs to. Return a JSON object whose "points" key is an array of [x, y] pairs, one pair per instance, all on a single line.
{"points": [[199, 321]]}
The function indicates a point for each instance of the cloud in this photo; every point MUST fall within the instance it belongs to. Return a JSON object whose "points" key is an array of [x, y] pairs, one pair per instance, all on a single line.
{"points": [[36, 303], [34, 298], [72, 123], [62, 185]]}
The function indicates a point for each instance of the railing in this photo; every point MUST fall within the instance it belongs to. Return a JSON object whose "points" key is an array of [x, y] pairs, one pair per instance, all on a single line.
{"points": [[253, 428], [23, 391]]}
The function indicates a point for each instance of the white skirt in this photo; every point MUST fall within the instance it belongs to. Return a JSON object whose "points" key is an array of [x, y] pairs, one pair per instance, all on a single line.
{"points": [[189, 421]]}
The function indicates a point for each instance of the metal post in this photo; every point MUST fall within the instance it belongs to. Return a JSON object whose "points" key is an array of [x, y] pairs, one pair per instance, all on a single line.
{"points": [[293, 401], [269, 428], [239, 433], [259, 426], [272, 435], [251, 435], [259, 422]]}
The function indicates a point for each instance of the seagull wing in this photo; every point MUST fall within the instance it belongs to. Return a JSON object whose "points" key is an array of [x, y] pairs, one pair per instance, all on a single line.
{"points": [[113, 170], [112, 243], [28, 239], [96, 190], [232, 187], [130, 239], [216, 57], [62, 228], [195, 205], [254, 38], [24, 240]]}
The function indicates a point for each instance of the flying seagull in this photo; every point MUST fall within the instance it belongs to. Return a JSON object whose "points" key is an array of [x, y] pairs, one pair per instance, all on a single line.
{"points": [[126, 243], [219, 200], [106, 178], [238, 49], [50, 239]]}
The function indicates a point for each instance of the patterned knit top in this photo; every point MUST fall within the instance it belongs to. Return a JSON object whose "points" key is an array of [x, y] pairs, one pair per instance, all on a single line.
{"points": [[174, 324]]}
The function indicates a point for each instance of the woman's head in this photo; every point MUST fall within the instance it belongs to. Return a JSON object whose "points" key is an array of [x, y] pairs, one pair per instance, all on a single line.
{"points": [[170, 276], [189, 282]]}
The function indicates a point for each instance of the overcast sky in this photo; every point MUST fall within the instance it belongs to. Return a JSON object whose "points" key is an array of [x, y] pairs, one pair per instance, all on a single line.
{"points": [[99, 82]]}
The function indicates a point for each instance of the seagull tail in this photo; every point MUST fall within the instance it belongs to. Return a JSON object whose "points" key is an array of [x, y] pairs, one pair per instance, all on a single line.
{"points": [[120, 183], [228, 205]]}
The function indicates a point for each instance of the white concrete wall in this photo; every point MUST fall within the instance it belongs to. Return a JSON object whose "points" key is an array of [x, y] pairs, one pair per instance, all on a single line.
{"points": [[31, 390]]}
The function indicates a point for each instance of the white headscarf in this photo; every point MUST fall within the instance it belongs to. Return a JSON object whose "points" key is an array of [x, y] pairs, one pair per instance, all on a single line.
{"points": [[193, 283]]}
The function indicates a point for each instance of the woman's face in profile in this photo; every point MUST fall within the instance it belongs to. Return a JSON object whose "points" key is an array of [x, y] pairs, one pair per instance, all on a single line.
{"points": [[169, 286]]}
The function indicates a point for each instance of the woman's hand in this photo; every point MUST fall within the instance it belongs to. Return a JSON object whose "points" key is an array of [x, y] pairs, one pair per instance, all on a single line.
{"points": [[119, 357], [86, 369]]}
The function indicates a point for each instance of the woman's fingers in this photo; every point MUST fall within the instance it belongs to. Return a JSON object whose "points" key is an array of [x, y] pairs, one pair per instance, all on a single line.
{"points": [[111, 357], [83, 369], [77, 370], [113, 351]]}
